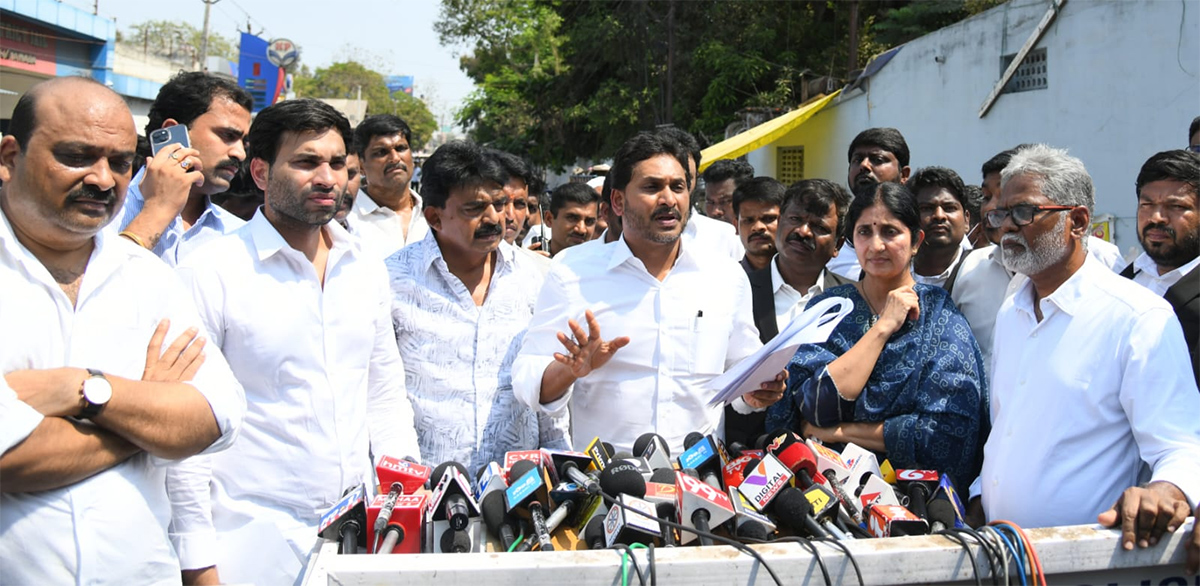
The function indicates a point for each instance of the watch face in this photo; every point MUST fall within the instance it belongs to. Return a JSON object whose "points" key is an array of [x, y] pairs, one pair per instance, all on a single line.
{"points": [[97, 390]]}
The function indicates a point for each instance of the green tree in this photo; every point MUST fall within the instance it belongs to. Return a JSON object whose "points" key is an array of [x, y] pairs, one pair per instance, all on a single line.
{"points": [[177, 41], [345, 80]]}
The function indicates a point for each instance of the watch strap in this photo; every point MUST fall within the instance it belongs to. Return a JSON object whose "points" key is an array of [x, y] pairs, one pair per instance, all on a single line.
{"points": [[91, 409]]}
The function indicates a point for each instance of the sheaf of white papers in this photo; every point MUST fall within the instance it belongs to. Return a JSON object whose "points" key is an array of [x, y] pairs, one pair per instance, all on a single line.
{"points": [[813, 326]]}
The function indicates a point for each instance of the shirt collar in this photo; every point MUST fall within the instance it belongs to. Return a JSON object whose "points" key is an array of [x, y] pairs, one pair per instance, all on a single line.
{"points": [[1144, 264], [1068, 296], [212, 214], [958, 255], [621, 253], [431, 251], [365, 206]]}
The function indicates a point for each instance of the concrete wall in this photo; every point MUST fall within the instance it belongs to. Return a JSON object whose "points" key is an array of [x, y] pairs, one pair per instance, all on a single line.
{"points": [[1124, 83]]}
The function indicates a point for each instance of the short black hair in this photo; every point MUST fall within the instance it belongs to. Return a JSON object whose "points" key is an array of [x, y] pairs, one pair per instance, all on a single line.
{"points": [[456, 164], [642, 146], [725, 169], [816, 196], [939, 177], [1174, 165], [761, 189], [24, 115], [974, 196], [998, 162], [687, 141], [380, 125], [301, 115], [1193, 128], [606, 189], [571, 192], [514, 167], [896, 197], [190, 94], [888, 139]]}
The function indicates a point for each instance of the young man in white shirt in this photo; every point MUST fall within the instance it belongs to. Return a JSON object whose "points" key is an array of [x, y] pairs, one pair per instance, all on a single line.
{"points": [[680, 314], [462, 298], [1090, 382], [571, 216], [305, 314], [169, 211], [86, 444], [942, 204], [387, 212], [1169, 230]]}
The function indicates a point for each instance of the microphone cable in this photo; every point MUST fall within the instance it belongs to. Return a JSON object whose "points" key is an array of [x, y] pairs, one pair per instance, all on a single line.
{"points": [[628, 559], [649, 560], [1013, 552], [807, 544], [736, 544], [1031, 556], [853, 562], [993, 552], [962, 542]]}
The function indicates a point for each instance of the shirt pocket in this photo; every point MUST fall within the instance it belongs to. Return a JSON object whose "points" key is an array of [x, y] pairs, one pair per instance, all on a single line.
{"points": [[702, 342]]}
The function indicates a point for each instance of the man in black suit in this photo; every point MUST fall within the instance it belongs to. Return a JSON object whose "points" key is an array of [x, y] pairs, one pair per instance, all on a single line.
{"points": [[809, 233], [1168, 223]]}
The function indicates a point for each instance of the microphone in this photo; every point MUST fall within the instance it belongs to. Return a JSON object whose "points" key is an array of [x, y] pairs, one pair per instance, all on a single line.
{"points": [[653, 448], [452, 500], [701, 507], [764, 480], [825, 509], [941, 515], [455, 541], [385, 511], [410, 475], [895, 521], [622, 478], [593, 533], [600, 452], [946, 492], [499, 521], [404, 521], [662, 492], [793, 511], [795, 455], [701, 456], [573, 467], [745, 514], [875, 491], [529, 492], [623, 525], [490, 478], [918, 485], [567, 497], [345, 521], [538, 458], [734, 472], [852, 510]]}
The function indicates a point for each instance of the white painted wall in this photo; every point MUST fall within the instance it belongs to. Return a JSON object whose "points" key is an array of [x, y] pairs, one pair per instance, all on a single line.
{"points": [[1124, 83]]}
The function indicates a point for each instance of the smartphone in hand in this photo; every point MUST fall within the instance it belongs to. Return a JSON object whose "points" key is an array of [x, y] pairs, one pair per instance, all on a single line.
{"points": [[162, 137]]}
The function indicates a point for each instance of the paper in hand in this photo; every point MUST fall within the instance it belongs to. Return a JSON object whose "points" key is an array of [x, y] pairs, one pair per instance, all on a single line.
{"points": [[813, 326]]}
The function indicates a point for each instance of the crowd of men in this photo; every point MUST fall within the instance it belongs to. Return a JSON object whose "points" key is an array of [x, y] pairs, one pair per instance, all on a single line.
{"points": [[184, 391]]}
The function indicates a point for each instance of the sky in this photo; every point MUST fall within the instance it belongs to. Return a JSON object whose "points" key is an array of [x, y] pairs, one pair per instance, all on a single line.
{"points": [[394, 37]]}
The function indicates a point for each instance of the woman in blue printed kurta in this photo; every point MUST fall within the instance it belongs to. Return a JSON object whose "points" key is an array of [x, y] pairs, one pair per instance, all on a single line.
{"points": [[905, 381]]}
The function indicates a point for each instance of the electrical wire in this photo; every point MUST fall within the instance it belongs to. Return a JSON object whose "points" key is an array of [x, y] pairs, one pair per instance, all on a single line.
{"points": [[736, 544], [962, 542], [1034, 562], [1014, 552], [649, 560], [853, 562], [806, 544], [517, 542], [994, 539], [994, 557], [628, 551]]}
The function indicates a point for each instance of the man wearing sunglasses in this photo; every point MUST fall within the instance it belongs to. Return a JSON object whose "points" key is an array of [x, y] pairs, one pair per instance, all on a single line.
{"points": [[1090, 385]]}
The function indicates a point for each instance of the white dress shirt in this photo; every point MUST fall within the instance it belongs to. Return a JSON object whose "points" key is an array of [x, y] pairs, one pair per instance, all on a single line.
{"points": [[788, 301], [979, 291], [683, 331], [1146, 274], [1084, 400], [110, 528], [720, 236], [324, 386], [535, 231], [458, 356], [381, 230], [1107, 253], [177, 241], [845, 263]]}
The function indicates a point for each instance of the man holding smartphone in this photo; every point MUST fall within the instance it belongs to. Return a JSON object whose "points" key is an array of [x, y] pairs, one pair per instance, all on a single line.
{"points": [[168, 207]]}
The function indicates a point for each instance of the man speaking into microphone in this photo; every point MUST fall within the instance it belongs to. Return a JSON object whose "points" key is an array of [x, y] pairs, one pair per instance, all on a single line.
{"points": [[681, 317]]}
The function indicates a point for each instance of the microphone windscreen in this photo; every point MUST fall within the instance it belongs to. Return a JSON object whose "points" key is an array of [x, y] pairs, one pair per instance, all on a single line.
{"points": [[441, 469], [494, 510], [623, 478], [642, 441], [521, 468], [608, 448], [940, 510], [593, 533], [456, 541], [761, 441], [791, 507], [622, 456], [691, 439], [663, 476], [752, 530]]}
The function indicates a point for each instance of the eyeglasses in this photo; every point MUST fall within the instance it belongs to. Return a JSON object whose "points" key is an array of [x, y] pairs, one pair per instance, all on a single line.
{"points": [[1195, 148], [1022, 215]]}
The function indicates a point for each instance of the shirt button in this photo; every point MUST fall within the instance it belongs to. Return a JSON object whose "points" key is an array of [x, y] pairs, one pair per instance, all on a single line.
{"points": [[1022, 382], [1034, 335]]}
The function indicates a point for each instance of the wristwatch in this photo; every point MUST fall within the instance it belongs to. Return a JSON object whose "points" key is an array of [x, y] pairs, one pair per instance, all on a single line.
{"points": [[96, 391]]}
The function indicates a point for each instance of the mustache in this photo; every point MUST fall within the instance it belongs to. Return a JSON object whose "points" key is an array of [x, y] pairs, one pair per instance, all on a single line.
{"points": [[664, 211], [236, 164], [802, 240], [394, 166], [488, 230], [1165, 228], [108, 196]]}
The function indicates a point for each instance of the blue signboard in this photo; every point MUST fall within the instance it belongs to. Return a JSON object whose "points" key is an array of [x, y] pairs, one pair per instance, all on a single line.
{"points": [[399, 83], [256, 74]]}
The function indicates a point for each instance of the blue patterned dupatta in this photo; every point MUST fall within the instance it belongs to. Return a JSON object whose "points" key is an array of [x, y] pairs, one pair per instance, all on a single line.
{"points": [[928, 387]]}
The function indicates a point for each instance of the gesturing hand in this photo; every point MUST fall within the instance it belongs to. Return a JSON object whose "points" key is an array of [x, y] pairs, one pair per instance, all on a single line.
{"points": [[587, 351], [179, 362], [902, 304]]}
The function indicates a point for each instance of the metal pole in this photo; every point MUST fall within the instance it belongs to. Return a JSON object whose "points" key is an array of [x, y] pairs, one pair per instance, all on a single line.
{"points": [[204, 38]]}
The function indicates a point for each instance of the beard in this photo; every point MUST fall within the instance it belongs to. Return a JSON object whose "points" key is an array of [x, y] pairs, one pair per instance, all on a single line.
{"points": [[1046, 250], [644, 224], [288, 201], [1176, 253]]}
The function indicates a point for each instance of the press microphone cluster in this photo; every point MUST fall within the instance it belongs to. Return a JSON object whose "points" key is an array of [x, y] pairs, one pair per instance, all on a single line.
{"points": [[781, 487]]}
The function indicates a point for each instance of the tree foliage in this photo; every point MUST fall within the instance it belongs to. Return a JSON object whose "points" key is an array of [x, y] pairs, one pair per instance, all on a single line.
{"points": [[558, 80], [344, 81], [177, 41]]}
